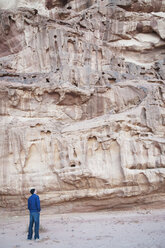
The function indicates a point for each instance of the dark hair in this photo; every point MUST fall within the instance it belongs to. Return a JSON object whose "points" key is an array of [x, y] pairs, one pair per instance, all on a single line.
{"points": [[32, 191]]}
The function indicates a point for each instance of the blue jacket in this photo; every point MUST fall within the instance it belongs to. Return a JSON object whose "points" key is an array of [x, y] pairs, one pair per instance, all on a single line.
{"points": [[34, 203]]}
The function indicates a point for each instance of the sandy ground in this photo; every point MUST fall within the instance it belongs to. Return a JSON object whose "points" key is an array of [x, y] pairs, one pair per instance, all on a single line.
{"points": [[117, 229]]}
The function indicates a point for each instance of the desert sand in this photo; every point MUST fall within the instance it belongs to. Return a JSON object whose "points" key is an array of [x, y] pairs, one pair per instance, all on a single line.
{"points": [[136, 228]]}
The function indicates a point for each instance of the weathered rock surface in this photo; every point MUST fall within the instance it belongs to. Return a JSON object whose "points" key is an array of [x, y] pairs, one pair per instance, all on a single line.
{"points": [[82, 102]]}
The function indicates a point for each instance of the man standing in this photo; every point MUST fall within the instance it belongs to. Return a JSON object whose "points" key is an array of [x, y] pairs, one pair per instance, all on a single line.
{"points": [[34, 208]]}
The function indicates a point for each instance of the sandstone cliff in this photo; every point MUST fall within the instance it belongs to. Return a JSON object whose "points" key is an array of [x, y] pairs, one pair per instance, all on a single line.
{"points": [[82, 102]]}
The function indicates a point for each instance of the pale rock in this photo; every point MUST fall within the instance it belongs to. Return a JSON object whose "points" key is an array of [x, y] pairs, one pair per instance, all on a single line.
{"points": [[82, 103]]}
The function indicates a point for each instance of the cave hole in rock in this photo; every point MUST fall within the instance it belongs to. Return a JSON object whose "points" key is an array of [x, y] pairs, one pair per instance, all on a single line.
{"points": [[74, 153], [112, 80], [75, 84], [50, 4], [45, 132], [35, 11], [143, 113], [72, 165]]}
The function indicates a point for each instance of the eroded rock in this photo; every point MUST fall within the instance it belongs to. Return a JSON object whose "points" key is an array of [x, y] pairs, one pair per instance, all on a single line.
{"points": [[82, 102]]}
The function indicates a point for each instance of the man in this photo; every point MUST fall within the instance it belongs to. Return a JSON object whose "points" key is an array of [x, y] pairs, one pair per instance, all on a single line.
{"points": [[34, 208]]}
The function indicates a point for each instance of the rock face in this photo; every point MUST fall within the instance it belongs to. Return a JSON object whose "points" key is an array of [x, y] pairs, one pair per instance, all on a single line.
{"points": [[82, 102]]}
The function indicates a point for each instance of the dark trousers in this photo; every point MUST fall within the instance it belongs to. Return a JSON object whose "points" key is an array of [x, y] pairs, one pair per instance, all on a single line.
{"points": [[34, 218]]}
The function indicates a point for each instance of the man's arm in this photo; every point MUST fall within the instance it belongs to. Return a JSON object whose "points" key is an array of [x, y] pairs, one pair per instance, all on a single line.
{"points": [[38, 204], [28, 204]]}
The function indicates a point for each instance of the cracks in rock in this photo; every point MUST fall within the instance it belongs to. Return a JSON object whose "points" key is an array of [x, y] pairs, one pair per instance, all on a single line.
{"points": [[145, 167], [140, 6]]}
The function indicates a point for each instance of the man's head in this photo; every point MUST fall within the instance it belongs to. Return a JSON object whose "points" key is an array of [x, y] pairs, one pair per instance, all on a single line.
{"points": [[32, 191]]}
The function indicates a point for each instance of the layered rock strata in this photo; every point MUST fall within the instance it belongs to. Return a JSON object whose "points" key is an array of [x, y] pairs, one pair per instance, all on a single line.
{"points": [[82, 103]]}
